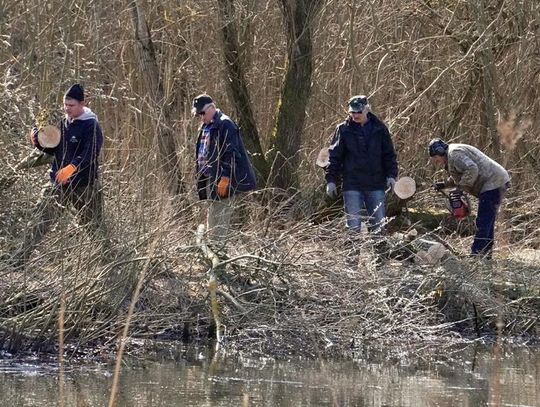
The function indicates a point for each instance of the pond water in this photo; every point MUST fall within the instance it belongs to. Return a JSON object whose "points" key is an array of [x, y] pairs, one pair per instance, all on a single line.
{"points": [[195, 377]]}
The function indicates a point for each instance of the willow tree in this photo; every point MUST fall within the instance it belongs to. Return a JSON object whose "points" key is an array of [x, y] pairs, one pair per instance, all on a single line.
{"points": [[486, 33], [299, 16], [238, 90], [167, 158], [489, 79]]}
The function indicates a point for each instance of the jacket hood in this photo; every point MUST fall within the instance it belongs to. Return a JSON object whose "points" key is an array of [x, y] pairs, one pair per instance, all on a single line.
{"points": [[87, 114]]}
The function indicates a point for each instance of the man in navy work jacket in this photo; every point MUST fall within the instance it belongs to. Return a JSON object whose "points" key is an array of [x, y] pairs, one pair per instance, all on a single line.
{"points": [[362, 157], [74, 172], [223, 167]]}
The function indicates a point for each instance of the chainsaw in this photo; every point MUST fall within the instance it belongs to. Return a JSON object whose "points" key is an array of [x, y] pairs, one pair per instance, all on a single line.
{"points": [[458, 203]]}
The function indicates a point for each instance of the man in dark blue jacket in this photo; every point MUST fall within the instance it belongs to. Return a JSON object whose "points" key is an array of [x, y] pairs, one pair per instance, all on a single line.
{"points": [[362, 157], [223, 167], [74, 172]]}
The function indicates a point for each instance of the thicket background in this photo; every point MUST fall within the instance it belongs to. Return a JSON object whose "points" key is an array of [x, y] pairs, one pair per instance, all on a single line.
{"points": [[431, 68], [467, 71]]}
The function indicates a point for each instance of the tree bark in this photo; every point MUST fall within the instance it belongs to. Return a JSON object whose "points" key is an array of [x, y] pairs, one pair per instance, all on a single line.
{"points": [[464, 105], [238, 91], [291, 113], [168, 162], [488, 81]]}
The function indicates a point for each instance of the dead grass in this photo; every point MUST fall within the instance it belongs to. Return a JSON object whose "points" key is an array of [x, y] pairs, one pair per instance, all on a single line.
{"points": [[290, 286]]}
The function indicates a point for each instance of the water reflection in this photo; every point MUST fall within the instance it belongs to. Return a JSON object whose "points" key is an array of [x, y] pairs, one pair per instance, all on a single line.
{"points": [[180, 377]]}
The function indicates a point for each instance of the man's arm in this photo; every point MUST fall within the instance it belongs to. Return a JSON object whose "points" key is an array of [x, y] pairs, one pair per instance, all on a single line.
{"points": [[335, 158], [389, 158], [466, 167], [228, 145]]}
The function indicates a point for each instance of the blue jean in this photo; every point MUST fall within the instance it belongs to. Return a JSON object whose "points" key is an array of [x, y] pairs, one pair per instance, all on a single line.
{"points": [[488, 205], [373, 201]]}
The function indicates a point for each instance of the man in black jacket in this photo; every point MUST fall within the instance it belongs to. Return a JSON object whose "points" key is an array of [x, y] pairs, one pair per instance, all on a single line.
{"points": [[222, 165], [74, 173], [363, 159]]}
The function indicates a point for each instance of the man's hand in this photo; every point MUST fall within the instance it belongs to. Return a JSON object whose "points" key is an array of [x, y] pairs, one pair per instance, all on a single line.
{"points": [[63, 174], [34, 136], [439, 186], [331, 190], [466, 189], [223, 187], [390, 182]]}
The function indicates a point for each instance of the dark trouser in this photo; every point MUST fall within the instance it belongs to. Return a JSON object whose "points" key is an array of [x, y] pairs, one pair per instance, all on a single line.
{"points": [[87, 200], [488, 205]]}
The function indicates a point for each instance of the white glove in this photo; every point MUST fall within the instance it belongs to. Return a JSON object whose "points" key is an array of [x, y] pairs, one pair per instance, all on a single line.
{"points": [[390, 182], [331, 190]]}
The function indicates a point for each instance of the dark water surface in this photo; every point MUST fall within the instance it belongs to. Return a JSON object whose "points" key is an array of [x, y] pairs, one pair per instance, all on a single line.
{"points": [[193, 377]]}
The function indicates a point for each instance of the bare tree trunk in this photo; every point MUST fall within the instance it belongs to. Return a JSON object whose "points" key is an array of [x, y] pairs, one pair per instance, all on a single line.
{"points": [[168, 162], [488, 81], [237, 87], [464, 105], [287, 133]]}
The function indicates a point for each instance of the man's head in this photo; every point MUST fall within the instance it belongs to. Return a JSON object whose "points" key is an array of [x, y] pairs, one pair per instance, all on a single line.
{"points": [[74, 101], [359, 108], [204, 107], [438, 151]]}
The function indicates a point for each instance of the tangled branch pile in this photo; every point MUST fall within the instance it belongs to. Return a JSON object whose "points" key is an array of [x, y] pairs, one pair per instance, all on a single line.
{"points": [[288, 286]]}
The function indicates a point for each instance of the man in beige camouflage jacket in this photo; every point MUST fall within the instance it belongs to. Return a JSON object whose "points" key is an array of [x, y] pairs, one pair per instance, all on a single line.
{"points": [[477, 174]]}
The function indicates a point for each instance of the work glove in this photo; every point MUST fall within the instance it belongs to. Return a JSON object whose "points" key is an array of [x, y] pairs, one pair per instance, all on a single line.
{"points": [[64, 173], [34, 135], [439, 186], [223, 187], [466, 189], [331, 190], [390, 182]]}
